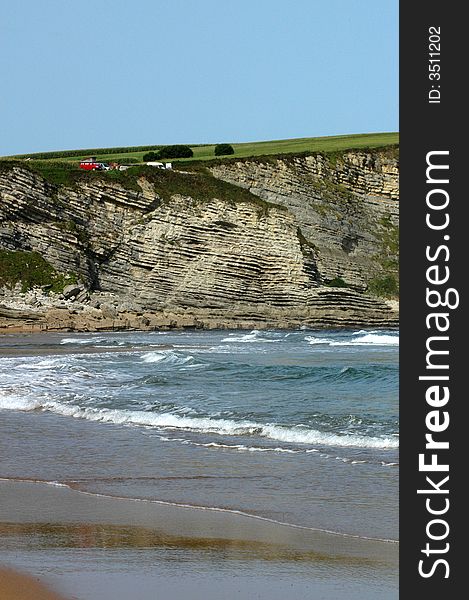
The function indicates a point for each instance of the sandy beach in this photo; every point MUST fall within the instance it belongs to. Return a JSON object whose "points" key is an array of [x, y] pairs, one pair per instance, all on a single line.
{"points": [[168, 465]]}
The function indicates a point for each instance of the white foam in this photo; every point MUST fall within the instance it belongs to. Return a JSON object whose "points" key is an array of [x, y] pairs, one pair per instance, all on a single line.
{"points": [[95, 340], [377, 339], [253, 336], [314, 340], [16, 402], [246, 448], [13, 399], [362, 339], [315, 437]]}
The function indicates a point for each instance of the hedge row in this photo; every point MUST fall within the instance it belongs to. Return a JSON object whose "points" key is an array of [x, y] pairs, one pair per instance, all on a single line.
{"points": [[90, 151]]}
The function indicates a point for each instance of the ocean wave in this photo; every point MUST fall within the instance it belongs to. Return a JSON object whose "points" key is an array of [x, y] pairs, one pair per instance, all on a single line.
{"points": [[84, 341], [226, 427], [52, 363], [167, 357]]}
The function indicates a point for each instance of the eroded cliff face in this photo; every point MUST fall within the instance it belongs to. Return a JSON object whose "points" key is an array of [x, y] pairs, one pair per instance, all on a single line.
{"points": [[346, 207], [251, 259]]}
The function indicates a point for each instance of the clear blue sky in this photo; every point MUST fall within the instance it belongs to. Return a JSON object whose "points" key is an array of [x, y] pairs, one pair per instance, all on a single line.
{"points": [[112, 72]]}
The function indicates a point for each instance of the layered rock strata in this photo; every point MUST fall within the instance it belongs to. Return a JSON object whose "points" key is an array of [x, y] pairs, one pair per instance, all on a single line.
{"points": [[344, 207]]}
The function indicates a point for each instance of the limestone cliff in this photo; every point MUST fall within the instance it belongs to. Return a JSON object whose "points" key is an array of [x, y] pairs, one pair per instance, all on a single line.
{"points": [[347, 206], [252, 242]]}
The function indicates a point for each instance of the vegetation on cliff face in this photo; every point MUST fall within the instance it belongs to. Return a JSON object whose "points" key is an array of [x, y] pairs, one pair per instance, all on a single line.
{"points": [[199, 183], [386, 286], [202, 186], [386, 281], [30, 270]]}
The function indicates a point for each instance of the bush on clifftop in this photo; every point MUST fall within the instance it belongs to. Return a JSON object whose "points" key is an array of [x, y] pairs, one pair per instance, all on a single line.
{"points": [[223, 149]]}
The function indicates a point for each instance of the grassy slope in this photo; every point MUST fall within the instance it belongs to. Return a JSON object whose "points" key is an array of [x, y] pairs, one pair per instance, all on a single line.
{"points": [[316, 144]]}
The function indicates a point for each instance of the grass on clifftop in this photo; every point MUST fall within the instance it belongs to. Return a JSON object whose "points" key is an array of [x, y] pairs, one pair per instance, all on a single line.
{"points": [[206, 152], [64, 169]]}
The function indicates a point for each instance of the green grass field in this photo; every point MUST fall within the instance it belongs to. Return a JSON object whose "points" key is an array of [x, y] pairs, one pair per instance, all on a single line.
{"points": [[201, 152]]}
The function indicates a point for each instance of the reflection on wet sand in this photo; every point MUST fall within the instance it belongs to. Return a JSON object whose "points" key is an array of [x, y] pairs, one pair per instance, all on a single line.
{"points": [[31, 504], [38, 536]]}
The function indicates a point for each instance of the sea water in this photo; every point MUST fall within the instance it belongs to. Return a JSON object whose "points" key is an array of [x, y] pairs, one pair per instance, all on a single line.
{"points": [[299, 427]]}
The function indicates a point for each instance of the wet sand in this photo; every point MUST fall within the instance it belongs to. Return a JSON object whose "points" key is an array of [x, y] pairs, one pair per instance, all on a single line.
{"points": [[87, 546], [35, 503]]}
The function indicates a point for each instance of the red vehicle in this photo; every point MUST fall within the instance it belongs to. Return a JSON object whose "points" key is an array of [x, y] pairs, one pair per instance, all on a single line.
{"points": [[91, 165]]}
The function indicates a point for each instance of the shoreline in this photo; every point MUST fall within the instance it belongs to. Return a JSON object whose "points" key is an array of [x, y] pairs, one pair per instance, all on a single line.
{"points": [[27, 503]]}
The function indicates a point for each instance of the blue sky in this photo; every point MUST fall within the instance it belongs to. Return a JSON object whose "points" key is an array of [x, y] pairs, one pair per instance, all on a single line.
{"points": [[117, 73]]}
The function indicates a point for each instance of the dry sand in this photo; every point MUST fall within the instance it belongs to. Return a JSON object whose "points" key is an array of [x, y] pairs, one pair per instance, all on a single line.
{"points": [[18, 586]]}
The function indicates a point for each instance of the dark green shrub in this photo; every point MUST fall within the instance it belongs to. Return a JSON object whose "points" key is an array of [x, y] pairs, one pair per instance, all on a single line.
{"points": [[151, 156], [336, 282], [177, 151], [31, 269], [223, 149]]}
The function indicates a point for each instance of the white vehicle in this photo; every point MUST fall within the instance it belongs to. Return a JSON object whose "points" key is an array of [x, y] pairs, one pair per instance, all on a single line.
{"points": [[160, 165]]}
